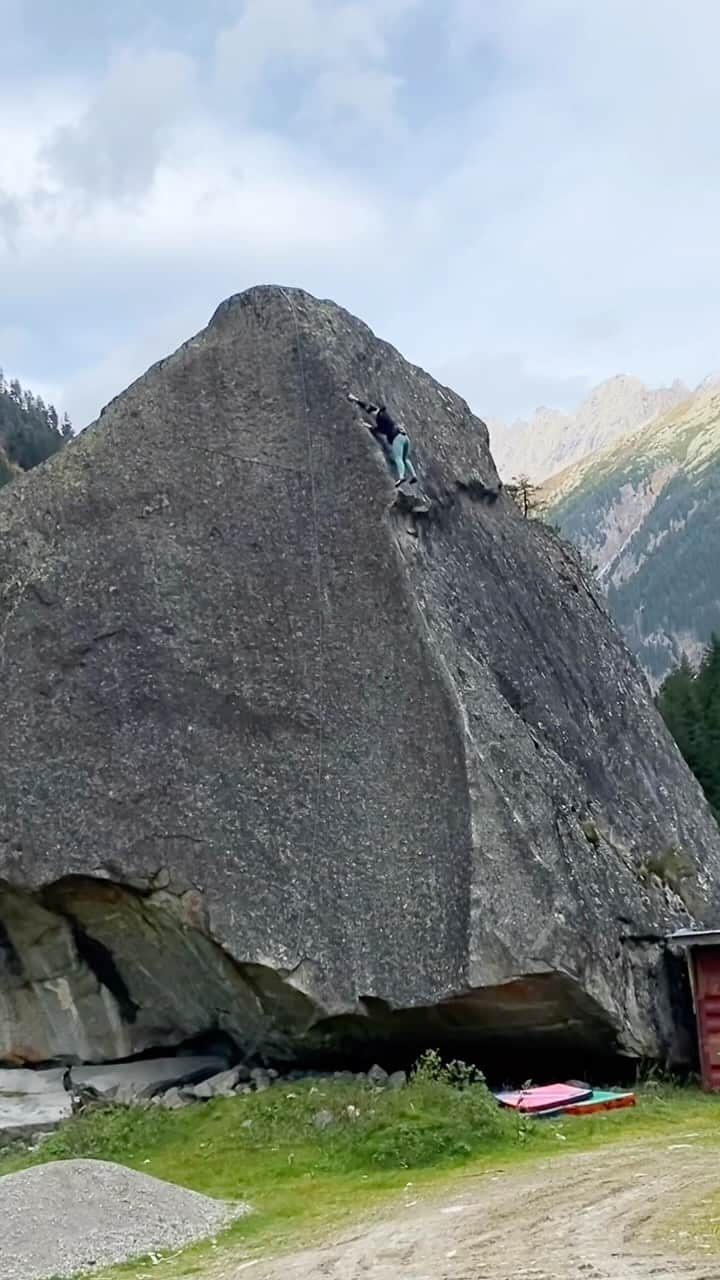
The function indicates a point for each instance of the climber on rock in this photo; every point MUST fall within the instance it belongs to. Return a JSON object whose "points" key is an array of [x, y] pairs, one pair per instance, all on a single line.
{"points": [[393, 439]]}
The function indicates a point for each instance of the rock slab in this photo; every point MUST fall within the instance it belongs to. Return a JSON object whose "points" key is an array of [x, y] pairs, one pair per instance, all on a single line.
{"points": [[25, 1116], [280, 758], [138, 1081], [19, 1080]]}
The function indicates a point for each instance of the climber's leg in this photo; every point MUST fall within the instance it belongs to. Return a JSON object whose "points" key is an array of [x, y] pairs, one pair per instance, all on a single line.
{"points": [[388, 455], [398, 457], [409, 468]]}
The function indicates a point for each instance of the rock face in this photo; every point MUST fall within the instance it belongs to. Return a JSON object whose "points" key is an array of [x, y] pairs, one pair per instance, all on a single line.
{"points": [[280, 758]]}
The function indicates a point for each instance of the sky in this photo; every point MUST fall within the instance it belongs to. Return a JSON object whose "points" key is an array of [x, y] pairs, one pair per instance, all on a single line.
{"points": [[522, 195]]}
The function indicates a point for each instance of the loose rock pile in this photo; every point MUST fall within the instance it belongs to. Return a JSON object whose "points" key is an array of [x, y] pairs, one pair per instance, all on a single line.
{"points": [[33, 1103], [245, 1080], [77, 1215]]}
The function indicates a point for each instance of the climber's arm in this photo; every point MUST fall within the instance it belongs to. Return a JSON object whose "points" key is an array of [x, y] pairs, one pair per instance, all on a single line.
{"points": [[369, 408]]}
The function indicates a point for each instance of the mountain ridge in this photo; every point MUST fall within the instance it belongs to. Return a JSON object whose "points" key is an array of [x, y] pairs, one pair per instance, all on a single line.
{"points": [[552, 439], [643, 510]]}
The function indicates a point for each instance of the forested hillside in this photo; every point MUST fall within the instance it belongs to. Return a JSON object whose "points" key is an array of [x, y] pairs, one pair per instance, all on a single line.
{"points": [[689, 701], [30, 430], [645, 513]]}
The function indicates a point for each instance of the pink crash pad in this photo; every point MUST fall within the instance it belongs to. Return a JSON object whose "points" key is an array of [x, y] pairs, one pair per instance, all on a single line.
{"points": [[543, 1098]]}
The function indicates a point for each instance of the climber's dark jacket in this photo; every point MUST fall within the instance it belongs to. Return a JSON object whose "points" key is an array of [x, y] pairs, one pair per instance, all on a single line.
{"points": [[385, 424]]}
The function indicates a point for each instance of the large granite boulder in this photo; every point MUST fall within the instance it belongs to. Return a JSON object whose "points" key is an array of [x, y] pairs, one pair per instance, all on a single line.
{"points": [[282, 757]]}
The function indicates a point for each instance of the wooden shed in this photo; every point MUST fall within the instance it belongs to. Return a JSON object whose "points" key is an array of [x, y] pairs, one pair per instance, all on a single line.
{"points": [[703, 954]]}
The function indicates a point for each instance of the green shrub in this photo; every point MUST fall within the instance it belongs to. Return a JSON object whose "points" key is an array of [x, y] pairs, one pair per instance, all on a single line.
{"points": [[444, 1114]]}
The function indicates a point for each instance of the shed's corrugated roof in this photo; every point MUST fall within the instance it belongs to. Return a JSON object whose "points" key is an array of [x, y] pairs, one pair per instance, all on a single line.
{"points": [[695, 937]]}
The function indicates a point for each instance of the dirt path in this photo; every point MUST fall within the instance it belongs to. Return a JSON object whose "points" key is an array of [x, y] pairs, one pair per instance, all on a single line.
{"points": [[585, 1217]]}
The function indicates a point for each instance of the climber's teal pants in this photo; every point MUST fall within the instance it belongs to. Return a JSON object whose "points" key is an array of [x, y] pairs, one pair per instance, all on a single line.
{"points": [[400, 454]]}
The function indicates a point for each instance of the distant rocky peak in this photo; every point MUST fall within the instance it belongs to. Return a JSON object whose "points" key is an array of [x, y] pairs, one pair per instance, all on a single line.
{"points": [[552, 440]]}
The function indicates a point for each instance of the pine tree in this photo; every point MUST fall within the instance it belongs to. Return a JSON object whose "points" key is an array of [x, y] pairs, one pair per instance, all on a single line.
{"points": [[678, 705], [29, 430], [707, 766], [526, 495], [690, 706], [7, 472]]}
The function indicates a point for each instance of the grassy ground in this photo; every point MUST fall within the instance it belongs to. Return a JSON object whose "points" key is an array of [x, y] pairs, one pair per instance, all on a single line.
{"points": [[301, 1178], [697, 1227]]}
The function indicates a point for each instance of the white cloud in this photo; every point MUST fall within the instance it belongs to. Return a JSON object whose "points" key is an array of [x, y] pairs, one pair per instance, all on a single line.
{"points": [[341, 45], [211, 196], [10, 217], [113, 149], [366, 97], [199, 194], [523, 194], [589, 187], [316, 32], [223, 211]]}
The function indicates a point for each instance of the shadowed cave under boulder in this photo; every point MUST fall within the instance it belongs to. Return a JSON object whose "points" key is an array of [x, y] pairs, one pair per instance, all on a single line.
{"points": [[91, 970]]}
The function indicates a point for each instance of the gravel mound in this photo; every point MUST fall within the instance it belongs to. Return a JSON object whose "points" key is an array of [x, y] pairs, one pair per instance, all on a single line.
{"points": [[58, 1219]]}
